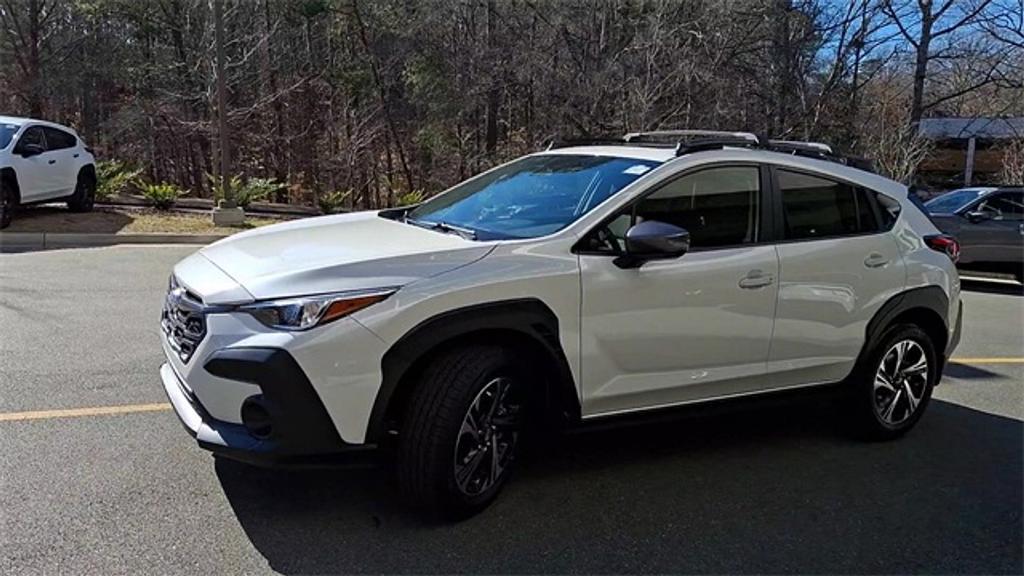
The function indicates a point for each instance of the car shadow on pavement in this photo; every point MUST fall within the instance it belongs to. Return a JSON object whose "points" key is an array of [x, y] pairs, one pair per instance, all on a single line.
{"points": [[785, 490]]}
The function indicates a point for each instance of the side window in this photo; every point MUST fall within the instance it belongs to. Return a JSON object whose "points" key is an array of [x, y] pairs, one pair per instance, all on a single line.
{"points": [[1004, 206], [717, 206], [888, 209], [58, 139], [814, 207], [33, 135]]}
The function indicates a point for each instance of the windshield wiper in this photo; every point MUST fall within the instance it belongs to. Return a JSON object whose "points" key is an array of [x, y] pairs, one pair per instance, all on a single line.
{"points": [[466, 233]]}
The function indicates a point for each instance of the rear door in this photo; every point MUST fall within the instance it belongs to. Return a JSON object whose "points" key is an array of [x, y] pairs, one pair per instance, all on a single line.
{"points": [[837, 265]]}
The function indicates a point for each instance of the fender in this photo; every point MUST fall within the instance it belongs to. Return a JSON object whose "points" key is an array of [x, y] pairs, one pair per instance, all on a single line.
{"points": [[929, 298], [528, 318]]}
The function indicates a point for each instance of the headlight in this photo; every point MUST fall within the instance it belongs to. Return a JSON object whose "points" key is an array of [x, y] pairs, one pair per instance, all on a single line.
{"points": [[305, 312]]}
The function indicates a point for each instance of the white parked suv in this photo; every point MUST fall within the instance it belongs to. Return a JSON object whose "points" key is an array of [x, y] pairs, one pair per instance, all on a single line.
{"points": [[43, 162], [574, 284]]}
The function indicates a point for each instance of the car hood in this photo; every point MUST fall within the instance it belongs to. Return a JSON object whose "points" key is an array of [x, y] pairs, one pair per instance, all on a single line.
{"points": [[337, 253]]}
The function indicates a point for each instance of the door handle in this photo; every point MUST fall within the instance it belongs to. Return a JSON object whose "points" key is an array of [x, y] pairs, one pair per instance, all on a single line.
{"points": [[875, 260], [75, 156], [756, 279], [1021, 229], [52, 162]]}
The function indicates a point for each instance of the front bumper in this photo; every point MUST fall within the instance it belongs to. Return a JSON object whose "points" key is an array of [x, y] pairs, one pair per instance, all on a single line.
{"points": [[302, 433]]}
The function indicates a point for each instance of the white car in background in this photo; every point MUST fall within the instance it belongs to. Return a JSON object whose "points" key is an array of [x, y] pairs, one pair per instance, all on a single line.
{"points": [[43, 162], [575, 284]]}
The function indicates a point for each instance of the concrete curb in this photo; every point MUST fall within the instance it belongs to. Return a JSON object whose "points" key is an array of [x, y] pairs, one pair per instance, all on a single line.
{"points": [[48, 240]]}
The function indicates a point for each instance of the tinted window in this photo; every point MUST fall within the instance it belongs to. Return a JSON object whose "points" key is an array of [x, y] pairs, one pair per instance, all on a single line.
{"points": [[7, 132], [531, 197], [889, 209], [1004, 205], [58, 139], [33, 135], [814, 207], [717, 206]]}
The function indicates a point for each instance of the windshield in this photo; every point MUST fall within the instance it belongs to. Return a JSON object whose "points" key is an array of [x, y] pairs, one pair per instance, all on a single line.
{"points": [[7, 132], [531, 197], [951, 202]]}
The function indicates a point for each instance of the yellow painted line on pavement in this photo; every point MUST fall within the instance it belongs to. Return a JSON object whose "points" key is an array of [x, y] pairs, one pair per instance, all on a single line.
{"points": [[987, 360], [80, 412], [163, 407]]}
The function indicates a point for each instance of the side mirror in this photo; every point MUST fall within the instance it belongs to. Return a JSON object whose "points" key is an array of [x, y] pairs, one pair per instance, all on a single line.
{"points": [[652, 240], [978, 216], [29, 150]]}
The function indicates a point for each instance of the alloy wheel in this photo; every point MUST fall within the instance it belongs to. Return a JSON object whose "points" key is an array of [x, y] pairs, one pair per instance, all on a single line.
{"points": [[900, 382], [488, 436]]}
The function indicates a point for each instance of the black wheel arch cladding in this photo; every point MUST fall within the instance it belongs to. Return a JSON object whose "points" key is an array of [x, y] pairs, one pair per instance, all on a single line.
{"points": [[927, 307], [527, 319]]}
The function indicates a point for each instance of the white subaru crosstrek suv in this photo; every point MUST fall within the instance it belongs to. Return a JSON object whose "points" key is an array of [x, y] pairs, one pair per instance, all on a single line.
{"points": [[43, 162], [577, 283]]}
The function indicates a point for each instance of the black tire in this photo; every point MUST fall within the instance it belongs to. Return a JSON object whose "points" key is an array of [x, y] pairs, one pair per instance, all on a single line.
{"points": [[884, 409], [7, 204], [434, 442], [85, 194]]}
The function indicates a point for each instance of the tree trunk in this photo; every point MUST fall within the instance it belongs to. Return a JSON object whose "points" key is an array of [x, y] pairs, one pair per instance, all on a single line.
{"points": [[921, 65]]}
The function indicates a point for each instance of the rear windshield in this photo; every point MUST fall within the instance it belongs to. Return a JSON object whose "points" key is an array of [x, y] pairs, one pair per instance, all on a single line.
{"points": [[951, 202]]}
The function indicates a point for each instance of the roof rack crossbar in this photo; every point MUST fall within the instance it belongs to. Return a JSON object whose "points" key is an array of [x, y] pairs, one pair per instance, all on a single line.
{"points": [[783, 145], [688, 134]]}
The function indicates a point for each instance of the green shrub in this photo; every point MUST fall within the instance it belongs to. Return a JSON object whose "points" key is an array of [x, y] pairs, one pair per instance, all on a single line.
{"points": [[331, 202], [254, 190], [233, 183], [113, 177], [410, 198], [162, 195]]}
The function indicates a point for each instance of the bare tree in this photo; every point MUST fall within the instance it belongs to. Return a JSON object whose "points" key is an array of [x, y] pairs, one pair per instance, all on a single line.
{"points": [[923, 24]]}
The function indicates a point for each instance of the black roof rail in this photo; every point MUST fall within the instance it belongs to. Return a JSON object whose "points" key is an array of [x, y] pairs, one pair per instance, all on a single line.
{"points": [[711, 143], [784, 145]]}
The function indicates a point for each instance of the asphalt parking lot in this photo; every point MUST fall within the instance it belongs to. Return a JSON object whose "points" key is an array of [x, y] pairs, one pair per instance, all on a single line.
{"points": [[781, 488]]}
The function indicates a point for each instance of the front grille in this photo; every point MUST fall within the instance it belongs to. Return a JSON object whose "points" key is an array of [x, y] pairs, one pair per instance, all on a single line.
{"points": [[183, 321]]}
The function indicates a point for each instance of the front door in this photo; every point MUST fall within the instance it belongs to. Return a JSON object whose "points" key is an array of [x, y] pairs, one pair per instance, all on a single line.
{"points": [[684, 329], [36, 179]]}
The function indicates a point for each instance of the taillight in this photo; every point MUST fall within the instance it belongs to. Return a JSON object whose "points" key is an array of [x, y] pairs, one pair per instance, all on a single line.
{"points": [[944, 243]]}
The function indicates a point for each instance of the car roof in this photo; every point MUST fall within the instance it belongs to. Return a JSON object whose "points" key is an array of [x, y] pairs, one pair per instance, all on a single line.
{"points": [[738, 154], [19, 121]]}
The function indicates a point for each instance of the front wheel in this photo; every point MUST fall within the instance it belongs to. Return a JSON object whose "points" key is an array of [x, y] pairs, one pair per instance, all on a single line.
{"points": [[462, 431], [85, 194], [894, 386]]}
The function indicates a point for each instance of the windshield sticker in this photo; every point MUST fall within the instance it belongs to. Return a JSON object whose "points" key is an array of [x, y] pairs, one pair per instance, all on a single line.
{"points": [[637, 169]]}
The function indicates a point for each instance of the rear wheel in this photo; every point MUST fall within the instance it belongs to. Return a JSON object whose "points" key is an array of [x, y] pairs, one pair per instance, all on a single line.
{"points": [[462, 430], [895, 384], [7, 204], [85, 194]]}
